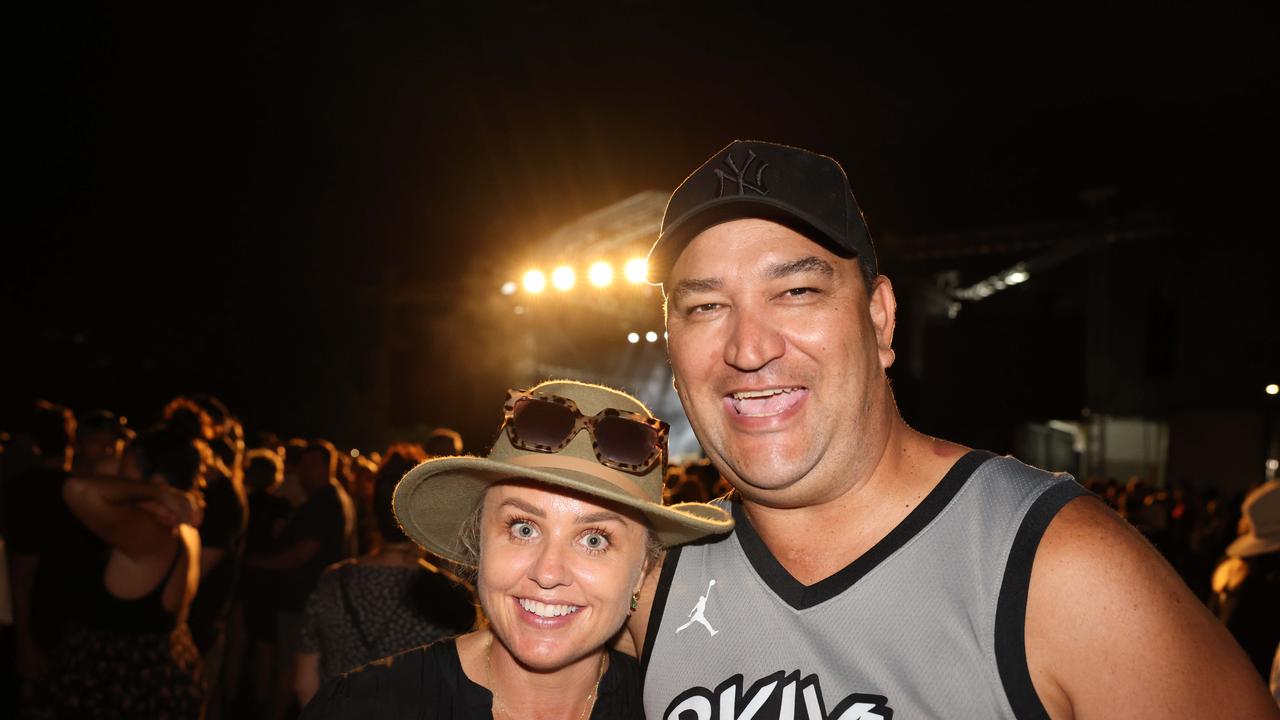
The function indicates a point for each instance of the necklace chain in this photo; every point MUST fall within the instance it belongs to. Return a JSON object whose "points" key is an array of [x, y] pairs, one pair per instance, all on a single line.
{"points": [[498, 704]]}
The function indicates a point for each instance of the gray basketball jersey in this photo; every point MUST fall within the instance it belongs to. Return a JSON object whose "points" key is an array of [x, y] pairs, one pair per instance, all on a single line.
{"points": [[928, 623]]}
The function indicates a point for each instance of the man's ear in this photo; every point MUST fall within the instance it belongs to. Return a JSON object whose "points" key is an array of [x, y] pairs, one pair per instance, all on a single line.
{"points": [[884, 309]]}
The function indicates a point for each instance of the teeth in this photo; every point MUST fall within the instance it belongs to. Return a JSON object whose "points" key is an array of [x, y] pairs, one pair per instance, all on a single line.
{"points": [[761, 393], [545, 610]]}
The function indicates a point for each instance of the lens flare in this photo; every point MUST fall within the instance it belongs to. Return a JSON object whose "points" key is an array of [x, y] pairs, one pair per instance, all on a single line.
{"points": [[636, 270], [535, 282], [600, 274], [562, 278]]}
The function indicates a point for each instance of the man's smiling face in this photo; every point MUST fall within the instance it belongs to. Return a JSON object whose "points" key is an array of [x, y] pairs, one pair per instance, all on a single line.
{"points": [[779, 354]]}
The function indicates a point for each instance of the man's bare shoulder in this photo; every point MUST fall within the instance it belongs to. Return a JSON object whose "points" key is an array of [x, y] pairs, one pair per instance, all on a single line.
{"points": [[1112, 631]]}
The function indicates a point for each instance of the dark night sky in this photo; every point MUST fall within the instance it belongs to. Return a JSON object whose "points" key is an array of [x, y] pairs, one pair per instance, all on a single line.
{"points": [[202, 193]]}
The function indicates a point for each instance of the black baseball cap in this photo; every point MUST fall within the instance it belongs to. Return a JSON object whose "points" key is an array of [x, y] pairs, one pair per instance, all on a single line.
{"points": [[803, 190]]}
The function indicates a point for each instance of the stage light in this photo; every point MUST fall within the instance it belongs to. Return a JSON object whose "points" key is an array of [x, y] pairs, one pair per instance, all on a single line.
{"points": [[562, 278], [1273, 389], [600, 274], [651, 336], [636, 270], [633, 338], [509, 287], [535, 282], [1017, 276], [355, 453]]}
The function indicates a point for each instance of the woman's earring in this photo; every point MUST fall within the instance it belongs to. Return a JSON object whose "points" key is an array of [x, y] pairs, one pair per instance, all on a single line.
{"points": [[635, 600]]}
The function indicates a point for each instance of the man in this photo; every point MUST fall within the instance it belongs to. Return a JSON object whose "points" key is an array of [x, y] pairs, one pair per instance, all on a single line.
{"points": [[320, 533], [875, 572], [1246, 584], [45, 540]]}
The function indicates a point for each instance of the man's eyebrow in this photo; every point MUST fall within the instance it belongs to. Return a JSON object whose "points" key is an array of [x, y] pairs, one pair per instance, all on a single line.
{"points": [[695, 285], [811, 263]]}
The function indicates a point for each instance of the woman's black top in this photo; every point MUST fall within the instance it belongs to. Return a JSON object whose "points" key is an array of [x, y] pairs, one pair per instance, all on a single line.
{"points": [[427, 683]]}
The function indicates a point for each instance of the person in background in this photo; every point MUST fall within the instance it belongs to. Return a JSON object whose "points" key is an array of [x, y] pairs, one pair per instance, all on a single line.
{"points": [[384, 602], [127, 651], [255, 637], [443, 442], [1246, 585], [361, 473], [291, 488], [320, 532], [100, 439], [44, 540], [222, 541]]}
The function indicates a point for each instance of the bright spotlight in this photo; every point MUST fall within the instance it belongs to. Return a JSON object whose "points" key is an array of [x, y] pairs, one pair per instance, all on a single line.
{"points": [[1273, 389], [651, 336], [535, 282], [633, 338], [509, 287], [355, 453], [636, 270], [1017, 276], [600, 274], [562, 278]]}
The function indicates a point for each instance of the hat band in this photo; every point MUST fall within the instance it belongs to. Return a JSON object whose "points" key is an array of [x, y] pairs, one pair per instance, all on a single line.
{"points": [[565, 462]]}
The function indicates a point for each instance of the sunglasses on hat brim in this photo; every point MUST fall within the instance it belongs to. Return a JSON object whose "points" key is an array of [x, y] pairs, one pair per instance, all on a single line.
{"points": [[621, 439]]}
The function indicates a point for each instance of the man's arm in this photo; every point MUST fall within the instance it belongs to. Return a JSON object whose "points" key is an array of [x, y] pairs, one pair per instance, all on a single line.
{"points": [[1112, 631]]}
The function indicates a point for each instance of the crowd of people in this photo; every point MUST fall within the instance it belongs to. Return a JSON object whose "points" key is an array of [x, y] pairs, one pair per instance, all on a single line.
{"points": [[182, 572]]}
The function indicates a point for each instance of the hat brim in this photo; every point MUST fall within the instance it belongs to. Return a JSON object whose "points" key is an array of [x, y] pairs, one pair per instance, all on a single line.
{"points": [[722, 210], [435, 498], [1251, 545]]}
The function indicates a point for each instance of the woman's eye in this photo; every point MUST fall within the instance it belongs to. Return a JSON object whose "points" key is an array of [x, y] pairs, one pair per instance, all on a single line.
{"points": [[523, 530], [595, 541]]}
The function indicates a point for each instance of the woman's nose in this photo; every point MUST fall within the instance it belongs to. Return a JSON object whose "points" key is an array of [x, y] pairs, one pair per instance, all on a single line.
{"points": [[551, 566]]}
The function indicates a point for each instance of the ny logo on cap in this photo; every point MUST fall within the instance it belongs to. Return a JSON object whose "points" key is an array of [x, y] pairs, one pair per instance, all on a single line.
{"points": [[739, 177]]}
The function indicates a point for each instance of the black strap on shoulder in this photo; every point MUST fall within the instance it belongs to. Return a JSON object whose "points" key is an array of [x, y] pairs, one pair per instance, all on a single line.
{"points": [[1011, 608], [659, 605]]}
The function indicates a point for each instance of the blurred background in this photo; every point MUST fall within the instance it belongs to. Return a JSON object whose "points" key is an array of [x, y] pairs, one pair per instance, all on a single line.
{"points": [[327, 213]]}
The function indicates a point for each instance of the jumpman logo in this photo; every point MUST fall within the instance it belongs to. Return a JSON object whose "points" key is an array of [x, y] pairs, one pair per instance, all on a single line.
{"points": [[698, 613]]}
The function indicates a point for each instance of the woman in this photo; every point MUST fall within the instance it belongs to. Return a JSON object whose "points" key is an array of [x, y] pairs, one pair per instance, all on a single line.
{"points": [[383, 602], [128, 652], [561, 525]]}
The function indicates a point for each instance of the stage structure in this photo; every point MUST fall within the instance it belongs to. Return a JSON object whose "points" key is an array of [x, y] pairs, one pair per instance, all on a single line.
{"points": [[589, 312]]}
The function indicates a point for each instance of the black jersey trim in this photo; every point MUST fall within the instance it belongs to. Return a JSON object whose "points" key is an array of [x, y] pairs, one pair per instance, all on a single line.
{"points": [[800, 596], [1011, 607], [659, 605]]}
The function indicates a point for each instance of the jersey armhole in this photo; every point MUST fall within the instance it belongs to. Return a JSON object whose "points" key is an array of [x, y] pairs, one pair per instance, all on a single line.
{"points": [[659, 605], [1011, 608]]}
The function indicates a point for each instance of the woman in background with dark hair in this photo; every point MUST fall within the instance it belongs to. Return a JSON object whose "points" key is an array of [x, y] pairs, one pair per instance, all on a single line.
{"points": [[381, 603], [127, 650]]}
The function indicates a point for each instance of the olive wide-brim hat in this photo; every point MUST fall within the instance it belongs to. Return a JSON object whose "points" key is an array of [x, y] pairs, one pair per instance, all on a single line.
{"points": [[434, 499]]}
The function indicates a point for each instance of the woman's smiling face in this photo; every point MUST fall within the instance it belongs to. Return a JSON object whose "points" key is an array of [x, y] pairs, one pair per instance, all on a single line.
{"points": [[556, 571]]}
